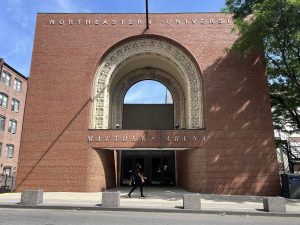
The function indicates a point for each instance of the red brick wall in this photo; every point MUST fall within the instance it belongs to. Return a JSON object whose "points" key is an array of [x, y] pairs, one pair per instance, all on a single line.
{"points": [[239, 155], [5, 136]]}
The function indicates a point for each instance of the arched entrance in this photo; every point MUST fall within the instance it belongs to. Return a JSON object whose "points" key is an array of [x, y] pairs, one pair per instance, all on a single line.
{"points": [[147, 58], [121, 87], [148, 104], [132, 61]]}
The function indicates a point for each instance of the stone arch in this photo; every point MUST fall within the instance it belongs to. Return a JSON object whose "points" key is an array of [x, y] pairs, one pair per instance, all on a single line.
{"points": [[121, 88], [142, 53]]}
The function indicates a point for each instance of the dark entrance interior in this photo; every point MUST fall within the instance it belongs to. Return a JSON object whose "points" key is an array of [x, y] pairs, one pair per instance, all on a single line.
{"points": [[148, 116], [157, 166], [148, 105]]}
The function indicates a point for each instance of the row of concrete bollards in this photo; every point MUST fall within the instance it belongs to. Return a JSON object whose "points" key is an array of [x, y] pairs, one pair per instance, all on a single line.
{"points": [[190, 201], [270, 204]]}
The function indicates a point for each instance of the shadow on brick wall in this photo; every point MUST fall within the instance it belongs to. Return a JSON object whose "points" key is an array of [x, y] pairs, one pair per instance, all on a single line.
{"points": [[239, 156]]}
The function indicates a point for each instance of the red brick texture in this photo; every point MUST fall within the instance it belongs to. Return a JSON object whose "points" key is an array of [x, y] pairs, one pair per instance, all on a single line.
{"points": [[238, 156], [5, 136]]}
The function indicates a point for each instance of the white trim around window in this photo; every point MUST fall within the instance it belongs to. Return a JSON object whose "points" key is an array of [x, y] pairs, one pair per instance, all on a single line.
{"points": [[15, 105], [3, 100], [12, 126], [9, 151], [18, 85], [6, 78]]}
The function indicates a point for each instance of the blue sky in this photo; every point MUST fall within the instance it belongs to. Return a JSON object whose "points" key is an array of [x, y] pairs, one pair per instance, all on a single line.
{"points": [[17, 19], [148, 92]]}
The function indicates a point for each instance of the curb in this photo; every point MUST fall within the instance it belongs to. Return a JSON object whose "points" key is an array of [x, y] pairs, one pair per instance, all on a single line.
{"points": [[158, 210]]}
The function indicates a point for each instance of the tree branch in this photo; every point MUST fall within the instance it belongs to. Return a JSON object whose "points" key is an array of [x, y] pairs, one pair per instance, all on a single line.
{"points": [[296, 119]]}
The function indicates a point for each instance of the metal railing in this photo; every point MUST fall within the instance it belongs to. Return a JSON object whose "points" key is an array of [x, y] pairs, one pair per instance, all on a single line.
{"points": [[290, 147], [7, 183]]}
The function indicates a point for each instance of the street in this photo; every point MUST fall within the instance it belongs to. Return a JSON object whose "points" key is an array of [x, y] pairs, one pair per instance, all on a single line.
{"points": [[74, 217]]}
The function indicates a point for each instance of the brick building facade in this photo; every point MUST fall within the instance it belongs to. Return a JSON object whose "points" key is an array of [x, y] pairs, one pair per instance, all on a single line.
{"points": [[82, 66], [13, 87]]}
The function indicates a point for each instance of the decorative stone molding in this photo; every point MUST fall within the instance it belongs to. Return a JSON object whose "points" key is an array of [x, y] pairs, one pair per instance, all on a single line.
{"points": [[130, 51]]}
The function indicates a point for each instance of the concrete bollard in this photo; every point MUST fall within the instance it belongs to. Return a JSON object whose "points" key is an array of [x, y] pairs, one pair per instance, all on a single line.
{"points": [[191, 201], [110, 199], [274, 204], [32, 197]]}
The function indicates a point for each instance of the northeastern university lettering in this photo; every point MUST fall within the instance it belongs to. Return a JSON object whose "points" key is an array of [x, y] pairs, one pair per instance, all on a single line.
{"points": [[113, 22]]}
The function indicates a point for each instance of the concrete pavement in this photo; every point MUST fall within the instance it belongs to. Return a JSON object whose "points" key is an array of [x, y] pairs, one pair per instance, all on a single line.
{"points": [[89, 217], [157, 199]]}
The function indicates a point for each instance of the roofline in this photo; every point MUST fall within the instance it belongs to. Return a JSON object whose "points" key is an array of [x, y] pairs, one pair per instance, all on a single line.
{"points": [[138, 13], [13, 69]]}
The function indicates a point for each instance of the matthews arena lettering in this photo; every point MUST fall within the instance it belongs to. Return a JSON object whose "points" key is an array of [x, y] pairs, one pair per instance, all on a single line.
{"points": [[117, 138], [106, 22]]}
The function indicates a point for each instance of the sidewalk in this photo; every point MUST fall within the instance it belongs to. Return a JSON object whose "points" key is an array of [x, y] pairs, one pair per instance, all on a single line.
{"points": [[157, 198]]}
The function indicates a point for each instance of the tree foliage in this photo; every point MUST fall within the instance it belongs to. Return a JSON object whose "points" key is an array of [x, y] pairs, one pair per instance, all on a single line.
{"points": [[273, 26]]}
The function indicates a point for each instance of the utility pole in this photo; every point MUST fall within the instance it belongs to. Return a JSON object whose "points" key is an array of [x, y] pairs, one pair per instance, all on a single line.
{"points": [[147, 16]]}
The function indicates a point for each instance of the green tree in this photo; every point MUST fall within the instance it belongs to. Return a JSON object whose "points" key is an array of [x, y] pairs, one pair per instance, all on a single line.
{"points": [[273, 27]]}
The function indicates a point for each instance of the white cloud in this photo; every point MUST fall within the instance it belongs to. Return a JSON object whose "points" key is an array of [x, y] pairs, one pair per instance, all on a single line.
{"points": [[19, 45]]}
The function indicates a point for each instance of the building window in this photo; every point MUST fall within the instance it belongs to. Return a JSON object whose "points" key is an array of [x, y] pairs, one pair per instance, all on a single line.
{"points": [[17, 85], [2, 123], [15, 105], [12, 126], [5, 78], [0, 149], [9, 151], [3, 100], [7, 171]]}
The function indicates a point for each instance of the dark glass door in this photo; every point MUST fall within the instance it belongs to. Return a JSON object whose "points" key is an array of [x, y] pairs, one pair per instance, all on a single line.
{"points": [[163, 171], [128, 165], [157, 166], [156, 171]]}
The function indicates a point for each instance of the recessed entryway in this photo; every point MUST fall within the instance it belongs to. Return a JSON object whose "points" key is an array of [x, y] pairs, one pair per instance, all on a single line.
{"points": [[158, 166]]}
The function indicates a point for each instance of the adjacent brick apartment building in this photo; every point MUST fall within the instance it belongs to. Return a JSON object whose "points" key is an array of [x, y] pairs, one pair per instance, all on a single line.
{"points": [[13, 87], [216, 137]]}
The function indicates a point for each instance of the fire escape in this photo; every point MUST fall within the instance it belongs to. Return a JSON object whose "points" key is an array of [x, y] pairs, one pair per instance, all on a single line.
{"points": [[291, 149]]}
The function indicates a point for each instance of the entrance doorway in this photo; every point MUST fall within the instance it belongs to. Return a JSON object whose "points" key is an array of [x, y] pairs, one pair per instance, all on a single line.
{"points": [[157, 166]]}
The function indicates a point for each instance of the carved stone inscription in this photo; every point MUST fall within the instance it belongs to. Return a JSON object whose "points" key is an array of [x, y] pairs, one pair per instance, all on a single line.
{"points": [[149, 139]]}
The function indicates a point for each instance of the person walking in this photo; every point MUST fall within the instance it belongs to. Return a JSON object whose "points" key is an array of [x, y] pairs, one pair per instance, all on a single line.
{"points": [[137, 179]]}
